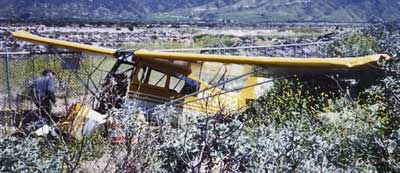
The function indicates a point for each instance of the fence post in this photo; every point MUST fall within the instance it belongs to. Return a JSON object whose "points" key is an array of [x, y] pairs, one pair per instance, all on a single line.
{"points": [[8, 69]]}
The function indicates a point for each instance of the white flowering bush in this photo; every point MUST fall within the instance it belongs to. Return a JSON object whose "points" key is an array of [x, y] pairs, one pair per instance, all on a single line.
{"points": [[25, 155], [293, 128]]}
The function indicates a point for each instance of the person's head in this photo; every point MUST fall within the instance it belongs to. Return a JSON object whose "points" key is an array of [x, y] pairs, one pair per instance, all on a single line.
{"points": [[48, 72]]}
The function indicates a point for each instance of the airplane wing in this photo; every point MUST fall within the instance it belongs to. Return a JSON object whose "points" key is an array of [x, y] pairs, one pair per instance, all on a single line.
{"points": [[285, 62], [268, 61], [26, 36]]}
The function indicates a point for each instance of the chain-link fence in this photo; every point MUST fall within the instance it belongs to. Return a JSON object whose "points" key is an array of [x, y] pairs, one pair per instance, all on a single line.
{"points": [[77, 78]]}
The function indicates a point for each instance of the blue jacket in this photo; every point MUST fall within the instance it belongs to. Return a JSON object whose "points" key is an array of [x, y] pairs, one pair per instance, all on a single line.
{"points": [[44, 89]]}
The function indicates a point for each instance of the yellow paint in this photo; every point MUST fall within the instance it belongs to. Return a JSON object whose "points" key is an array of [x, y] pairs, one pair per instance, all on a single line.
{"points": [[26, 36], [266, 61], [248, 93], [79, 121], [221, 103]]}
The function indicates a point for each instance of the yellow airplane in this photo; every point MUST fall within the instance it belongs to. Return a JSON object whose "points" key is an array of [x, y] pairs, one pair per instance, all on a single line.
{"points": [[161, 77]]}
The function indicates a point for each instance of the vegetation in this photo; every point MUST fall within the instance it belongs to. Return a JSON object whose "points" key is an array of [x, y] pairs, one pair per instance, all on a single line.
{"points": [[290, 11], [356, 44], [156, 45], [203, 40], [198, 41], [297, 126], [293, 129]]}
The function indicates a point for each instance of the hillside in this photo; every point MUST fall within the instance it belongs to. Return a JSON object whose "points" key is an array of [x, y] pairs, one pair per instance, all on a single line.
{"points": [[243, 11], [103, 10], [297, 11]]}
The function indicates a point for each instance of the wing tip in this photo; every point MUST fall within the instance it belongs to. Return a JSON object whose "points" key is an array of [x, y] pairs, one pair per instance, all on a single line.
{"points": [[20, 33]]}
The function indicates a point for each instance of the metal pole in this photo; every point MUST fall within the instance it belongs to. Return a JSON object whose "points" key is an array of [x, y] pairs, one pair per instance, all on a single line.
{"points": [[8, 69]]}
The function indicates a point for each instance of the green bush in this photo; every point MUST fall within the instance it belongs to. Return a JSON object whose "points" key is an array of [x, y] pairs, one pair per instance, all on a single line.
{"points": [[206, 40], [288, 99], [25, 155], [356, 44]]}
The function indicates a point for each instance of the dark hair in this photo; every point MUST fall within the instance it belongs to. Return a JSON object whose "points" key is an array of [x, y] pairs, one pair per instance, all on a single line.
{"points": [[47, 71]]}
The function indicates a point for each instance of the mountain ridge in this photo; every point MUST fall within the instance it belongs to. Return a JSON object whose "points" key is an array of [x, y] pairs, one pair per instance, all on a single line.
{"points": [[242, 11]]}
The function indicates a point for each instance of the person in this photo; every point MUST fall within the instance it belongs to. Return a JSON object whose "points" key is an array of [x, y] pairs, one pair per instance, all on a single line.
{"points": [[190, 85], [44, 92]]}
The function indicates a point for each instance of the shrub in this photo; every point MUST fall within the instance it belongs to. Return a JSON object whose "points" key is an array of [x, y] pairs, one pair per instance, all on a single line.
{"points": [[356, 44], [25, 155]]}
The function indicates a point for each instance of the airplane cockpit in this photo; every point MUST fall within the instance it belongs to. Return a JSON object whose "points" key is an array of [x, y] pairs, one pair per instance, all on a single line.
{"points": [[157, 80]]}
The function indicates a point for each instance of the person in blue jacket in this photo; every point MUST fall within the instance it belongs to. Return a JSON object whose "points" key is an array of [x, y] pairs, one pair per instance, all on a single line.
{"points": [[44, 91]]}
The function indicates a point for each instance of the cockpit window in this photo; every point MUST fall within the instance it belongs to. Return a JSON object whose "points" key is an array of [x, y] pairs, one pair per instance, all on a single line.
{"points": [[157, 78], [141, 74], [176, 84]]}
